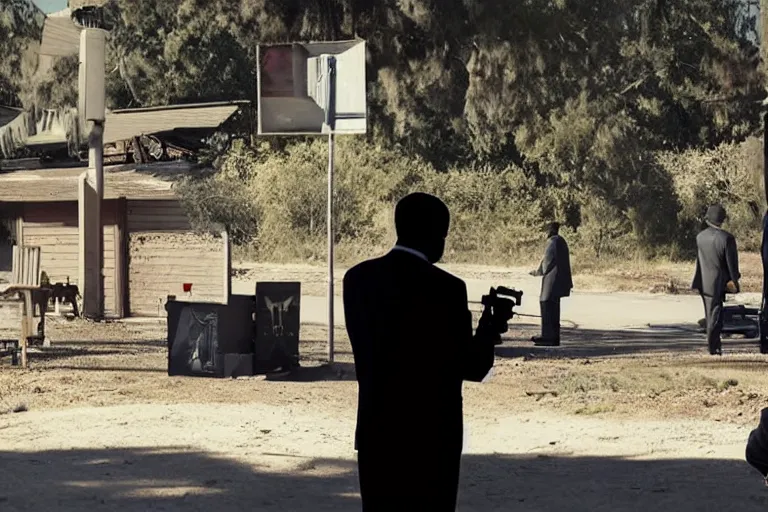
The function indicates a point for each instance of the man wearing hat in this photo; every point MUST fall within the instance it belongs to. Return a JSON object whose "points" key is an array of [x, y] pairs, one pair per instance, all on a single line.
{"points": [[557, 282], [717, 272]]}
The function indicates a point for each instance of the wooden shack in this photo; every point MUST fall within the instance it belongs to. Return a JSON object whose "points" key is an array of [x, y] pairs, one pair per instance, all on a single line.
{"points": [[150, 247]]}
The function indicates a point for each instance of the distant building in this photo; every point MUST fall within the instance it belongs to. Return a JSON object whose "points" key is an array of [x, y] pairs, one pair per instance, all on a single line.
{"points": [[132, 135], [150, 247]]}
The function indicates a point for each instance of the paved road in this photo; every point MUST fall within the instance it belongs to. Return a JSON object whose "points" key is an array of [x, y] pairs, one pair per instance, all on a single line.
{"points": [[585, 310]]}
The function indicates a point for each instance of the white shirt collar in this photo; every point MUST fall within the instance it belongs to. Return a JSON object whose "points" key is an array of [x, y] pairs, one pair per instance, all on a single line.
{"points": [[713, 225], [416, 253]]}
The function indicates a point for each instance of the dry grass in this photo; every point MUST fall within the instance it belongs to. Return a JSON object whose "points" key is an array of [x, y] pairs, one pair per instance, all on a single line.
{"points": [[662, 385], [636, 275]]}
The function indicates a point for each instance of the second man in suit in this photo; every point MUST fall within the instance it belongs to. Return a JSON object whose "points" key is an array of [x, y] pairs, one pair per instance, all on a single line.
{"points": [[556, 283]]}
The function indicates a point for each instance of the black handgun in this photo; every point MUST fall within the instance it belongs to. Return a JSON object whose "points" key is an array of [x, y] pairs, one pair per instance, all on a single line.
{"points": [[498, 310]]}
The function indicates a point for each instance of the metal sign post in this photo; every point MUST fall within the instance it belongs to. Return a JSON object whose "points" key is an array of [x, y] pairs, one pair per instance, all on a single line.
{"points": [[330, 115], [330, 249], [296, 81]]}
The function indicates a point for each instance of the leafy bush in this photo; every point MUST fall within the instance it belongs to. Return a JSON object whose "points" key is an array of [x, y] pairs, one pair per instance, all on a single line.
{"points": [[273, 200], [730, 174]]}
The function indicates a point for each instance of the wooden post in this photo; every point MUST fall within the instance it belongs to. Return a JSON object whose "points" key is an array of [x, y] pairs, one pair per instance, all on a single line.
{"points": [[120, 258], [23, 332], [91, 247], [26, 320]]}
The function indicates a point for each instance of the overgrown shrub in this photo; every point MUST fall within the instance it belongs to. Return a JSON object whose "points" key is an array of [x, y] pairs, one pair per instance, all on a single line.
{"points": [[273, 201], [496, 214], [730, 174], [604, 229]]}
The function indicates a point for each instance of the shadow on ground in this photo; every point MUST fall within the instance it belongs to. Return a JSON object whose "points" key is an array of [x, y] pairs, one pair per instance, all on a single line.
{"points": [[178, 479], [128, 357], [329, 372], [593, 343], [576, 344]]}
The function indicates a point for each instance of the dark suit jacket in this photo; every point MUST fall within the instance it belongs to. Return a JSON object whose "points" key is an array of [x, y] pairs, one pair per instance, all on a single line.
{"points": [[717, 262], [555, 268], [764, 254], [412, 339], [757, 446]]}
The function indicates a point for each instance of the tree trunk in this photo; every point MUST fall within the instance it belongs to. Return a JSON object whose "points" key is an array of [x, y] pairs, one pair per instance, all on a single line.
{"points": [[128, 81]]}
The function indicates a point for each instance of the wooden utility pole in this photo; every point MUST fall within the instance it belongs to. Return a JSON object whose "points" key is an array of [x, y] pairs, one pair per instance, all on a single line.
{"points": [[92, 114]]}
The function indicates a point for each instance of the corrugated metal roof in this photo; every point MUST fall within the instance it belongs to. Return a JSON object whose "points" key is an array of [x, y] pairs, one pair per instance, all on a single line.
{"points": [[8, 114], [125, 124], [152, 181], [78, 4], [66, 12], [61, 37]]}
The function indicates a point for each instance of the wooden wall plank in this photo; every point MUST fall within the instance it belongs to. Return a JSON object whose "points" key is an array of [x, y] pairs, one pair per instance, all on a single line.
{"points": [[164, 253], [54, 228]]}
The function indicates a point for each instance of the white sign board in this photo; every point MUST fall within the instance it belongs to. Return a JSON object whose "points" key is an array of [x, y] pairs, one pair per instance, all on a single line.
{"points": [[312, 88]]}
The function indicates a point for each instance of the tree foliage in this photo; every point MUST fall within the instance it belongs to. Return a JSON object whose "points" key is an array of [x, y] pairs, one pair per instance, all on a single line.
{"points": [[21, 25], [457, 78], [577, 95]]}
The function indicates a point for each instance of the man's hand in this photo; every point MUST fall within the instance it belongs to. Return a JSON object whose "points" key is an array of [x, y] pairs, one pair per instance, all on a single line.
{"points": [[486, 333], [732, 287]]}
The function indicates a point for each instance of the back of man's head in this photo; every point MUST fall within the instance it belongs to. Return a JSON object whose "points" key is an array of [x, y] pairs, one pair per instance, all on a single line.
{"points": [[552, 229], [716, 215], [422, 222]]}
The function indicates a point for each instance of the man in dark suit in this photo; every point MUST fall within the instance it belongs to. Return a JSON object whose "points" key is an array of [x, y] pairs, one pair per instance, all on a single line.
{"points": [[556, 283], [717, 272], [764, 301], [411, 334]]}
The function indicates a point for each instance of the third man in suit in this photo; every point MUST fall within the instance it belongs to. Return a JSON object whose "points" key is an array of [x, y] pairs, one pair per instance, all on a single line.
{"points": [[717, 272]]}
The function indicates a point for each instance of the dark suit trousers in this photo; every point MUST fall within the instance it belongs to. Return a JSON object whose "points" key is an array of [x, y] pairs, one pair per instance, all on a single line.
{"points": [[550, 319], [409, 480], [756, 454], [713, 310]]}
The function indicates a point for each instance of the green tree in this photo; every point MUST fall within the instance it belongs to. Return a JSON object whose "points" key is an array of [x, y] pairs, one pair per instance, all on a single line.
{"points": [[579, 95], [21, 25]]}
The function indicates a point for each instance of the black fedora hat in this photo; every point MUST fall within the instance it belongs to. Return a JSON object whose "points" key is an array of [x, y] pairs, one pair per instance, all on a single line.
{"points": [[716, 215]]}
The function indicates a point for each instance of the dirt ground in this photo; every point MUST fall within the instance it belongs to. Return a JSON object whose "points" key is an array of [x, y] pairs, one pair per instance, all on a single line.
{"points": [[614, 420]]}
